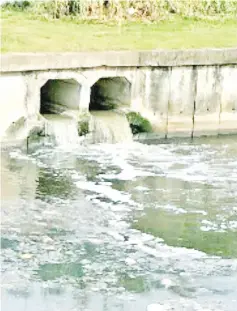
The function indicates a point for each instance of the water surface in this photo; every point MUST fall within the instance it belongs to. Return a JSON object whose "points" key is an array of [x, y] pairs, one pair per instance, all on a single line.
{"points": [[118, 227]]}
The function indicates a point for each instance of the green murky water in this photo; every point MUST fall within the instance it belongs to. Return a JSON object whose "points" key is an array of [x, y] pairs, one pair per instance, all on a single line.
{"points": [[118, 227]]}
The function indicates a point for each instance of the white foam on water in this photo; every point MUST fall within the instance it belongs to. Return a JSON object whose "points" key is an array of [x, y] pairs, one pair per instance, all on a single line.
{"points": [[17, 154], [127, 174], [147, 253], [157, 307], [141, 188], [113, 194], [232, 224], [165, 251], [167, 282], [174, 209]]}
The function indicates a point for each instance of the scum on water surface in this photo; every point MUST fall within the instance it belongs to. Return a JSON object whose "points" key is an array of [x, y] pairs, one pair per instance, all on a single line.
{"points": [[119, 227]]}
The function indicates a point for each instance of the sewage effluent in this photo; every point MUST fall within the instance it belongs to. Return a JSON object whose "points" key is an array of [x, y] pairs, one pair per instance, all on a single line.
{"points": [[119, 227]]}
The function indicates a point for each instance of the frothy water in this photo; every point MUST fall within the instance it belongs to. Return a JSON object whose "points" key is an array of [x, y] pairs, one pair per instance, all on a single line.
{"points": [[121, 227], [110, 127], [62, 129], [105, 127]]}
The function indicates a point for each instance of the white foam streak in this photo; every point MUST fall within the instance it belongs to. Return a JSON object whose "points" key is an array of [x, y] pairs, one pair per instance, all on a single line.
{"points": [[113, 194]]}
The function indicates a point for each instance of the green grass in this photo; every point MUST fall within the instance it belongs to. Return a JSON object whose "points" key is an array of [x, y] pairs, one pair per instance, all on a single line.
{"points": [[22, 32]]}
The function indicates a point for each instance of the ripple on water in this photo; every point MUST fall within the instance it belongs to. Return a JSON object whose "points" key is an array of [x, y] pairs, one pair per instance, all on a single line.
{"points": [[121, 227]]}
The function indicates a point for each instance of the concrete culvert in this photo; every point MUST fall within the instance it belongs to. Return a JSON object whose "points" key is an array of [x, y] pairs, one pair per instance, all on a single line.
{"points": [[110, 93], [59, 95]]}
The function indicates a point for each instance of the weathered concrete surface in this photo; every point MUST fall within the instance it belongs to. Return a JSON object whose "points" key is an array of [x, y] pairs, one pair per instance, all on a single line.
{"points": [[46, 61], [191, 96], [13, 90], [228, 100], [156, 99], [207, 103], [181, 101]]}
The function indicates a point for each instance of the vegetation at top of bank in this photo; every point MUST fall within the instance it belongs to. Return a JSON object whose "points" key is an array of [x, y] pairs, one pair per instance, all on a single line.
{"points": [[119, 10], [37, 26]]}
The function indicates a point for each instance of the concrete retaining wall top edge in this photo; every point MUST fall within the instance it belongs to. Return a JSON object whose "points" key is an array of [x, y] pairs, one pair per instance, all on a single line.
{"points": [[15, 62]]}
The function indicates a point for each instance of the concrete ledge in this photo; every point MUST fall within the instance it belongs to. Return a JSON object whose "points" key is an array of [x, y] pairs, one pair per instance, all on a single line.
{"points": [[15, 62]]}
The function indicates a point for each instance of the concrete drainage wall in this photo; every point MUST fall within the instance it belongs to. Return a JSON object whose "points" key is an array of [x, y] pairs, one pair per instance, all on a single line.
{"points": [[183, 93]]}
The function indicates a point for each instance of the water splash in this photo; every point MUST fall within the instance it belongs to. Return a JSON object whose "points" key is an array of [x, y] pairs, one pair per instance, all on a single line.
{"points": [[63, 129], [110, 127]]}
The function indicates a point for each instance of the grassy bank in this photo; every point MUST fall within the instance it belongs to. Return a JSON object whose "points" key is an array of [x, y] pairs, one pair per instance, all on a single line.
{"points": [[23, 32]]}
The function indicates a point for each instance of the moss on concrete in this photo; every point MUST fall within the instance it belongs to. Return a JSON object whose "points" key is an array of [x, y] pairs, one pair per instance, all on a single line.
{"points": [[83, 123], [83, 127], [138, 123]]}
